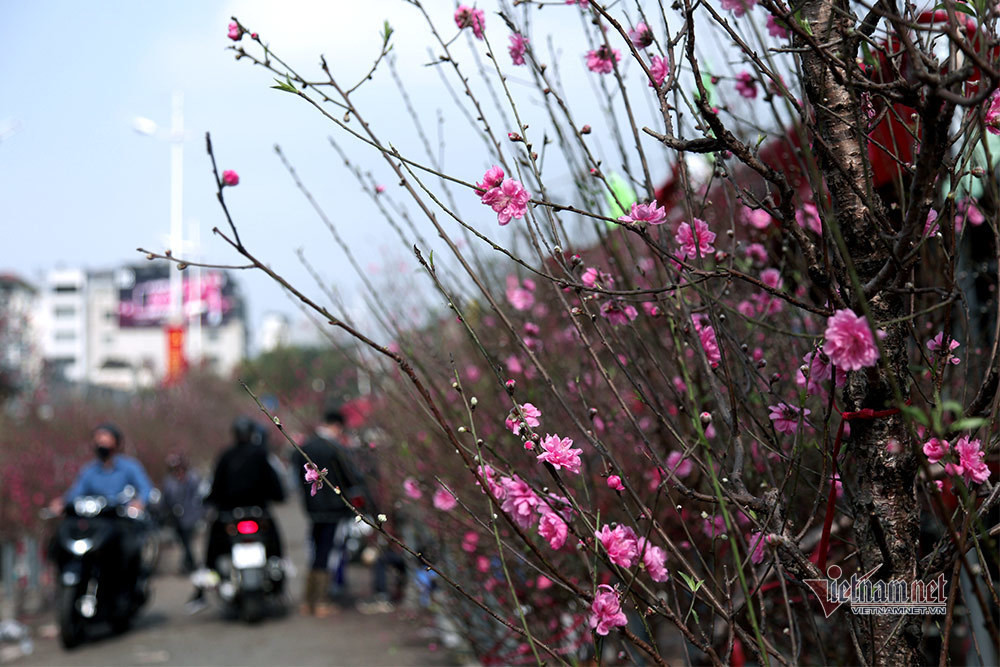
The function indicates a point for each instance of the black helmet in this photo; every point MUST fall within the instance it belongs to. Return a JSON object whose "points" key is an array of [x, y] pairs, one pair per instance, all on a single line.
{"points": [[243, 429]]}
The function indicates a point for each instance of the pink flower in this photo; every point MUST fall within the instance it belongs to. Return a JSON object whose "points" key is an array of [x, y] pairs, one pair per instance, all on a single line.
{"points": [[714, 527], [654, 560], [849, 342], [808, 216], [517, 48], [469, 541], [519, 501], [515, 423], [519, 297], [620, 543], [756, 252], [314, 477], [618, 312], [757, 218], [992, 119], [709, 343], [560, 453], [970, 453], [746, 85], [444, 500], [467, 17], [491, 179], [757, 541], [648, 213], [589, 277], [496, 487], [510, 200], [776, 29], [603, 59], [786, 417], [658, 69], [641, 36], [936, 449], [738, 7], [697, 241], [966, 209], [234, 32], [819, 371], [554, 529], [615, 482], [931, 227], [412, 489], [606, 611], [937, 344], [230, 177], [679, 465]]}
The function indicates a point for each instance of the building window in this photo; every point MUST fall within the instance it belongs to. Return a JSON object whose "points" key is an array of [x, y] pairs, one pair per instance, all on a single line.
{"points": [[65, 335], [66, 289], [63, 312]]}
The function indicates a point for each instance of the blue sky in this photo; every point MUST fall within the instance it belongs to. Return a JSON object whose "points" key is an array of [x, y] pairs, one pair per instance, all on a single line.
{"points": [[79, 187]]}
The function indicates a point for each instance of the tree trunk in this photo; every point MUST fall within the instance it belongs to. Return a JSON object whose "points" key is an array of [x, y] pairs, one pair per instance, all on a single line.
{"points": [[886, 509]]}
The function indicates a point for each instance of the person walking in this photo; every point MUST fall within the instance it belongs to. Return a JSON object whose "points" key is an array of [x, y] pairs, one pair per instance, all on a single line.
{"points": [[182, 502], [326, 509]]}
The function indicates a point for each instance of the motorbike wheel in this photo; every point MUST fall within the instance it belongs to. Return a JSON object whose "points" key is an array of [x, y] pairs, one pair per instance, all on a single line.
{"points": [[120, 623], [71, 624], [252, 608]]}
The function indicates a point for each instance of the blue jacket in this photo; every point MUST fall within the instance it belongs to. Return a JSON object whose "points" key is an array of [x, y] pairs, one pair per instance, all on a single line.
{"points": [[96, 480]]}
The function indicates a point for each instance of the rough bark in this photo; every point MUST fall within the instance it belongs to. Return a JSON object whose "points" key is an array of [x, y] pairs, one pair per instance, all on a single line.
{"points": [[885, 506]]}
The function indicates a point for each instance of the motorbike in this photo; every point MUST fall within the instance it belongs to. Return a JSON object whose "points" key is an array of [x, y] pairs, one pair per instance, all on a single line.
{"points": [[251, 580], [99, 582]]}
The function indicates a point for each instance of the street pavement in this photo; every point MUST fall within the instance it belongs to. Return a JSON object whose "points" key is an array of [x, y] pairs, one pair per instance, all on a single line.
{"points": [[165, 634]]}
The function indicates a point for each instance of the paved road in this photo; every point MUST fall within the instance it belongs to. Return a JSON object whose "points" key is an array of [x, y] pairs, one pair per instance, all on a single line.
{"points": [[165, 634]]}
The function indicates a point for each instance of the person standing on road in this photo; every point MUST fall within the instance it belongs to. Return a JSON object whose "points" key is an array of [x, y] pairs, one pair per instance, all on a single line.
{"points": [[326, 509], [182, 500]]}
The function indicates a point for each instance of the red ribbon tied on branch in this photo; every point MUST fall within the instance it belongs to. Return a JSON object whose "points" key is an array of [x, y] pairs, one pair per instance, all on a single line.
{"points": [[865, 413]]}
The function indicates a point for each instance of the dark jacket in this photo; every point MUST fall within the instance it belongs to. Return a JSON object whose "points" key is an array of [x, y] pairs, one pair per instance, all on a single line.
{"points": [[327, 506], [182, 499], [245, 477]]}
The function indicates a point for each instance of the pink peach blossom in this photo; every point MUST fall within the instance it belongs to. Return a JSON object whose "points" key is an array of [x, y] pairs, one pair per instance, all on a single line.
{"points": [[606, 612], [230, 177], [554, 529], [649, 213], [936, 449], [620, 543], [444, 500], [467, 17], [518, 47], [602, 60], [696, 241], [314, 477], [560, 454], [658, 69], [412, 489], [746, 85], [849, 342]]}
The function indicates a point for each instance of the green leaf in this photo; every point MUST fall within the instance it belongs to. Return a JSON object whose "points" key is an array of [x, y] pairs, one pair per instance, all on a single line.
{"points": [[867, 56], [960, 7], [967, 424], [916, 414], [386, 30], [952, 406], [692, 584], [285, 85]]}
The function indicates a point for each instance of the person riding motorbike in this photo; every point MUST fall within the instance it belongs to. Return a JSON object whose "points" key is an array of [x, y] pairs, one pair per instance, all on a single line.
{"points": [[244, 477], [119, 479]]}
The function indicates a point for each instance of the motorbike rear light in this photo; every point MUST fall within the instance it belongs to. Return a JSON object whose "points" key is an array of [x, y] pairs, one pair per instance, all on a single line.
{"points": [[246, 527]]}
